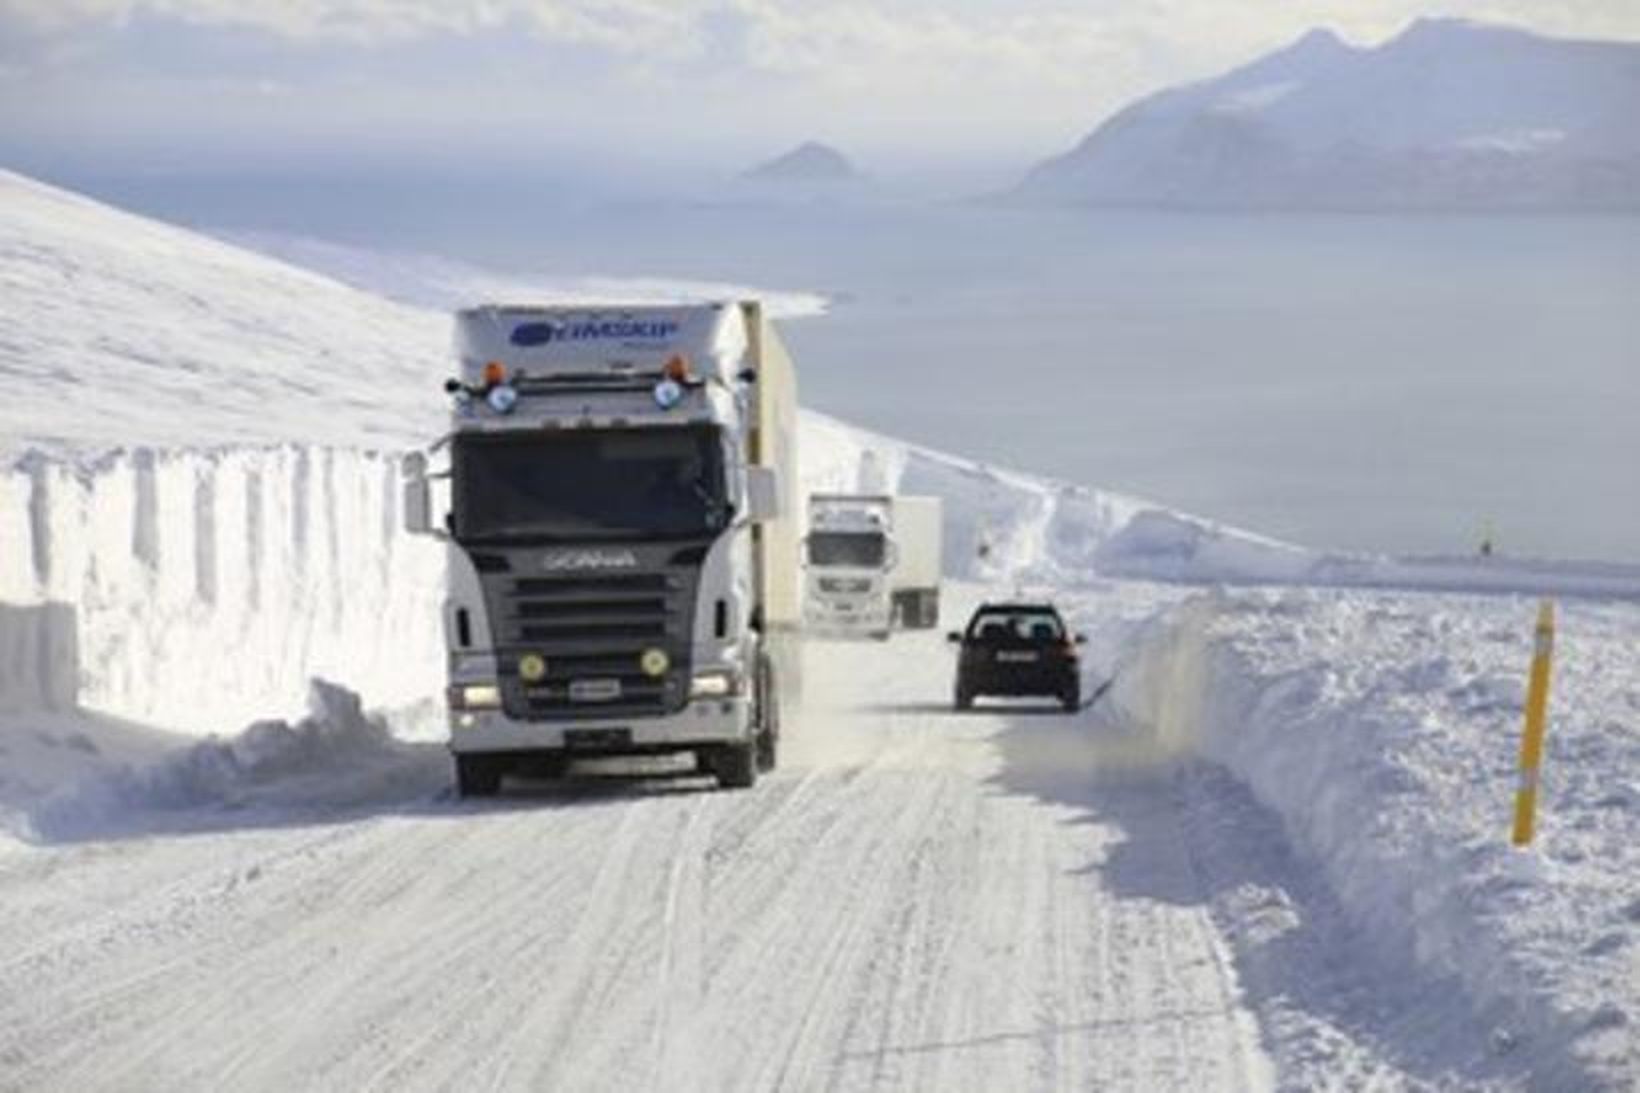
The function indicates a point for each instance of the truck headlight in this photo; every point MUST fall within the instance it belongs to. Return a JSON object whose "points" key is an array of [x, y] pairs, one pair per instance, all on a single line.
{"points": [[475, 696], [714, 684]]}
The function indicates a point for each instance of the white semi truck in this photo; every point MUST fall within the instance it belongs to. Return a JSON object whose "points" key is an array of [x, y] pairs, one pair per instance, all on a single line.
{"points": [[847, 556], [873, 564], [623, 550]]}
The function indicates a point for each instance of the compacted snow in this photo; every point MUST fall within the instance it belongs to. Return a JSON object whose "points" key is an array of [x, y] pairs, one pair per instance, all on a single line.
{"points": [[1272, 855]]}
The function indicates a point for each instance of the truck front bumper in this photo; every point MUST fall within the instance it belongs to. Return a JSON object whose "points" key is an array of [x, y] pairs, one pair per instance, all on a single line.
{"points": [[831, 618], [704, 722]]}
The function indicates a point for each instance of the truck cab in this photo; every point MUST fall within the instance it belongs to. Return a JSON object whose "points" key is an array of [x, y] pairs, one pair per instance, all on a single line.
{"points": [[621, 560], [848, 556]]}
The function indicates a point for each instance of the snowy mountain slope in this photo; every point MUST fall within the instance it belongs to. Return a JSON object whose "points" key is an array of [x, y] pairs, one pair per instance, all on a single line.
{"points": [[1449, 113], [122, 331]]}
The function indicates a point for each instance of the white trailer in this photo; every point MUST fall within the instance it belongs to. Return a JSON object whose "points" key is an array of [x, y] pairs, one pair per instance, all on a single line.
{"points": [[622, 538], [918, 562]]}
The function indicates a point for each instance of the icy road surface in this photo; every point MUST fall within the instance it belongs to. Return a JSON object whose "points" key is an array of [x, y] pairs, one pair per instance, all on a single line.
{"points": [[917, 899]]}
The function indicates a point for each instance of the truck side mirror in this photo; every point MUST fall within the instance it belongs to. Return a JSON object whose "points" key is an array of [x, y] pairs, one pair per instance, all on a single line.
{"points": [[762, 494], [1081, 639], [418, 504], [954, 637]]}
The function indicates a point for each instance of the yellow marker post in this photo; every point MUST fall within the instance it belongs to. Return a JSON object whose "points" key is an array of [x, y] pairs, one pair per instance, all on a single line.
{"points": [[1531, 741]]}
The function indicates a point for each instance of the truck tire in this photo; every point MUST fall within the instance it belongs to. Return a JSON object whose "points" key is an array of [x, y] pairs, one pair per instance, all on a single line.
{"points": [[737, 765], [964, 698], [1071, 699], [768, 715], [477, 776], [930, 609]]}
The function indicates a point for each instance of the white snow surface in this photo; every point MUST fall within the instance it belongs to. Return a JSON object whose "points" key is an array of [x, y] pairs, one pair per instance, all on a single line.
{"points": [[1273, 856], [1384, 730]]}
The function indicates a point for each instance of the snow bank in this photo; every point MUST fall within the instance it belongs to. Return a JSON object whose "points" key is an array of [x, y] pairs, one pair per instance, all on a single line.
{"points": [[335, 757], [197, 590], [1000, 526], [1383, 730]]}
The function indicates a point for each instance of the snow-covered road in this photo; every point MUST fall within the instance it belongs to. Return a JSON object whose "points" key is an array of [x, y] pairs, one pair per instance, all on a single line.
{"points": [[916, 899], [1011, 898]]}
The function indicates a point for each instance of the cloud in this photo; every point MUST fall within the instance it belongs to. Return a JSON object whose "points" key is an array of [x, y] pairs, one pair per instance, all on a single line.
{"points": [[1015, 74]]}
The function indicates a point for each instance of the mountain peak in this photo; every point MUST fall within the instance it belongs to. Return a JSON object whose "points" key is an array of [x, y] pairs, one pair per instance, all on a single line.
{"points": [[1449, 113], [810, 161], [1437, 31], [1319, 39]]}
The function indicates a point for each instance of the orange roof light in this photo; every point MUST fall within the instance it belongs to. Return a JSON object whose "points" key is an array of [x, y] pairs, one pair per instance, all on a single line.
{"points": [[495, 373], [677, 369]]}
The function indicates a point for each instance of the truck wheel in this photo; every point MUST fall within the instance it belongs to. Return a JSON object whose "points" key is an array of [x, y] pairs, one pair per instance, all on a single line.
{"points": [[768, 715], [964, 700], [930, 609], [477, 776], [737, 765], [1071, 699]]}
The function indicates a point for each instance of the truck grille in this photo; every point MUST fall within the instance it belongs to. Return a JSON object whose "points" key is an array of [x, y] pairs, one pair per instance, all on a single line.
{"points": [[593, 631]]}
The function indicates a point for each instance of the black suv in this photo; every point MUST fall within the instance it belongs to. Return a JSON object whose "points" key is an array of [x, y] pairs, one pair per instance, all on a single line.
{"points": [[1018, 649]]}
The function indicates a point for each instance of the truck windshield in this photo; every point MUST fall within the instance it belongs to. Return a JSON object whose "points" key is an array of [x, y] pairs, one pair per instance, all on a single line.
{"points": [[862, 549], [586, 485]]}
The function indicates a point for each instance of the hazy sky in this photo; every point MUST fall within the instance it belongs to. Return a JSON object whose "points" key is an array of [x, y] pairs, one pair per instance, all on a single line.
{"points": [[895, 82]]}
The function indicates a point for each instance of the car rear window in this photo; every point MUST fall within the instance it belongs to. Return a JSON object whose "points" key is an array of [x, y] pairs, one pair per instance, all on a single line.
{"points": [[1016, 626]]}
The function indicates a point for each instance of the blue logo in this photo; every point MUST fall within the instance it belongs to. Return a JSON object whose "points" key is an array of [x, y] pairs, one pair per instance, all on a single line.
{"points": [[543, 333]]}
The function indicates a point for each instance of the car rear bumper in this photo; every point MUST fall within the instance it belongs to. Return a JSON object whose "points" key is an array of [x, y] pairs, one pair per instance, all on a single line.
{"points": [[1039, 681]]}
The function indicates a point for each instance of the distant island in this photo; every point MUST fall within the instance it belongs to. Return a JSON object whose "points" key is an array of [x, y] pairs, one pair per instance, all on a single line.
{"points": [[810, 161], [1449, 114]]}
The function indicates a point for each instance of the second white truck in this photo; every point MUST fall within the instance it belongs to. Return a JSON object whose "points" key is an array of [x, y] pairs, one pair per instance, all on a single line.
{"points": [[873, 564]]}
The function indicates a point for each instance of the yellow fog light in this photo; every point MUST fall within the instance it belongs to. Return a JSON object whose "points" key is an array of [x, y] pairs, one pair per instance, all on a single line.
{"points": [[654, 662], [532, 667]]}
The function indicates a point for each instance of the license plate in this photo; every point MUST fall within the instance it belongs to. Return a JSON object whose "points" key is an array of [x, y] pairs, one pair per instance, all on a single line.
{"points": [[597, 739], [594, 690], [1016, 658]]}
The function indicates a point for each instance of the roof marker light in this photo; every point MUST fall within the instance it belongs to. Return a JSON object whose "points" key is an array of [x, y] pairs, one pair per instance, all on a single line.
{"points": [[677, 369], [495, 374]]}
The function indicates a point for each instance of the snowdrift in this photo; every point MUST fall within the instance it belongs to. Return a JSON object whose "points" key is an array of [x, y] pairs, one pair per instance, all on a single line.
{"points": [[1383, 729], [335, 757]]}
